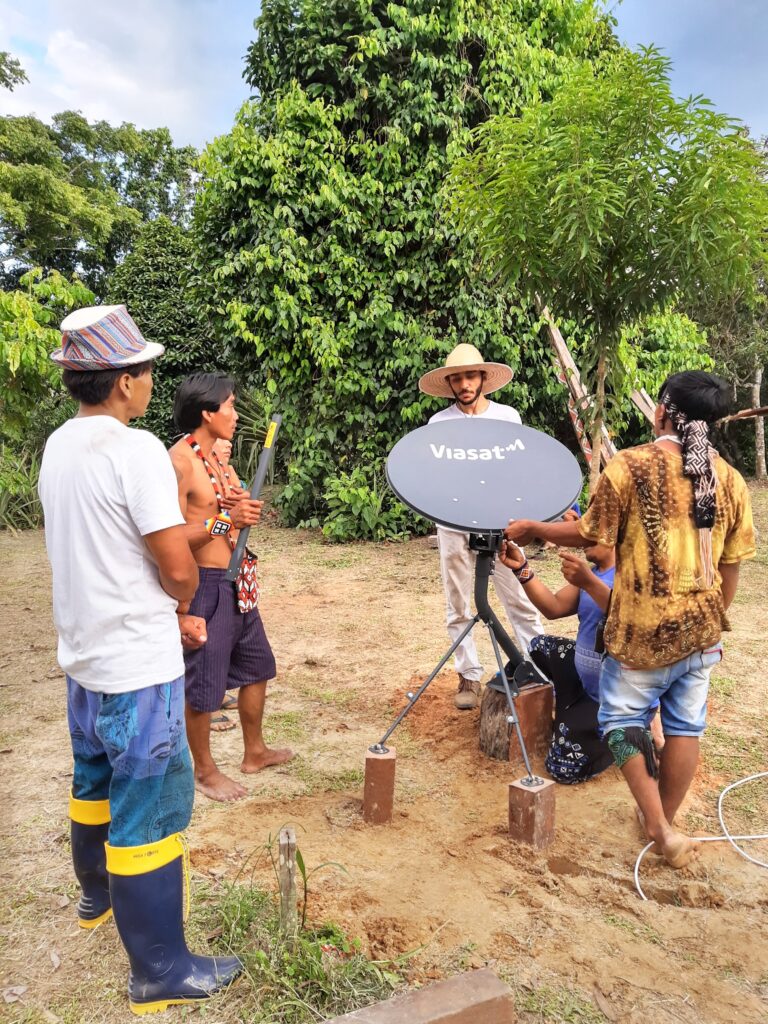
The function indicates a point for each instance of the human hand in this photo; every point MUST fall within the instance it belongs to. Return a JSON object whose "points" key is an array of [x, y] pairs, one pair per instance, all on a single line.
{"points": [[236, 493], [245, 512], [571, 516], [511, 555], [575, 569], [521, 531], [194, 632]]}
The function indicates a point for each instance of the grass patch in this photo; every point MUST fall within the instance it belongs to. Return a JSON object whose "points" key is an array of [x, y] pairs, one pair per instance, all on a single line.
{"points": [[284, 725], [723, 687], [335, 698], [322, 781], [634, 928], [322, 974], [550, 1004], [732, 754]]}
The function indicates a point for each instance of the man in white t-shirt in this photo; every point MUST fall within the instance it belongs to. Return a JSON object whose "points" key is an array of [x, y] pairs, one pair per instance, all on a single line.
{"points": [[467, 378], [121, 563]]}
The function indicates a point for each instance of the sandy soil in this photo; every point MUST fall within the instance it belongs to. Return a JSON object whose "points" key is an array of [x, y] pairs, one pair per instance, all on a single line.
{"points": [[353, 629]]}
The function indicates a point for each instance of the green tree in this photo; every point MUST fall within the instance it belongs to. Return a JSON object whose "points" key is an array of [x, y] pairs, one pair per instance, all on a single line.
{"points": [[11, 71], [73, 194], [31, 393], [319, 247], [612, 200], [151, 282]]}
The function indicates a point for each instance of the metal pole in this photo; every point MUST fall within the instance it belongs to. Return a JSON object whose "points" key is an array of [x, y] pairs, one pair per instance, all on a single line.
{"points": [[258, 482], [483, 568], [513, 718]]}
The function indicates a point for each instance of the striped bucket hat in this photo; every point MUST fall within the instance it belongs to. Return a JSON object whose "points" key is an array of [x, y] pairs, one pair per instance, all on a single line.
{"points": [[102, 338]]}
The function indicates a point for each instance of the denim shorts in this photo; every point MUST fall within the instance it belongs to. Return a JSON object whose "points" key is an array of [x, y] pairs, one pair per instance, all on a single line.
{"points": [[131, 748], [628, 695]]}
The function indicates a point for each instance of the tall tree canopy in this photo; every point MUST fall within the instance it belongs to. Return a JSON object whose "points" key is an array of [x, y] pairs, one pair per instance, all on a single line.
{"points": [[73, 194], [151, 281], [320, 247], [11, 71], [614, 199]]}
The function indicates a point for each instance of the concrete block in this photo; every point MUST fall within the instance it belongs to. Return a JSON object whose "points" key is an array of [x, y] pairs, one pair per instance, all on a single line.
{"points": [[532, 813], [477, 997], [535, 708], [379, 792]]}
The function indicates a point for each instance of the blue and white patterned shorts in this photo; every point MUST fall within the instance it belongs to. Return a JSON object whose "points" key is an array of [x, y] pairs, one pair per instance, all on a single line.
{"points": [[131, 748]]}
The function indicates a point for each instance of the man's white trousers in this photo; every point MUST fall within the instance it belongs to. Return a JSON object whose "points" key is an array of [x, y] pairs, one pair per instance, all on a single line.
{"points": [[457, 567]]}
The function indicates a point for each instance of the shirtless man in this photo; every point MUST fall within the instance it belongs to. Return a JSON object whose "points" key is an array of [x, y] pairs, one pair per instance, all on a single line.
{"points": [[236, 653]]}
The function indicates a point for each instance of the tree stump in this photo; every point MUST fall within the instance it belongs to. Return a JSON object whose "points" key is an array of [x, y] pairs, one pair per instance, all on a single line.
{"points": [[535, 709]]}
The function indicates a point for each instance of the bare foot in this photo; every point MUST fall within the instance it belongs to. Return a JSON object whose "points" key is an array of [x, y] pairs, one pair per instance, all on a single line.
{"points": [[265, 759], [676, 849], [218, 786], [221, 723]]}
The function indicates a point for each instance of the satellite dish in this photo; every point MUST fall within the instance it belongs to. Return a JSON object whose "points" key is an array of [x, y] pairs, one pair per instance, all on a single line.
{"points": [[475, 474]]}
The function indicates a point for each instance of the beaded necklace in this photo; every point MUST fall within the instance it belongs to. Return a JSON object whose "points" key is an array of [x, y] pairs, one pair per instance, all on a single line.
{"points": [[195, 446]]}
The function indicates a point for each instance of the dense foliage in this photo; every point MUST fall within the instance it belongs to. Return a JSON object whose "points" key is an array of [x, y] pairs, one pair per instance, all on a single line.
{"points": [[151, 282], [73, 194], [30, 384], [319, 242], [614, 199], [33, 401]]}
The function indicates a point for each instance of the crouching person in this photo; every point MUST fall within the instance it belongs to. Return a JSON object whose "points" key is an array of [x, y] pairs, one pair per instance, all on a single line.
{"points": [[121, 563], [577, 752]]}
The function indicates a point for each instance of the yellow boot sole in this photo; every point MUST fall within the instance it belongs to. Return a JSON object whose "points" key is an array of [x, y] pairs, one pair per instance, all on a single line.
{"points": [[162, 1004], [96, 921]]}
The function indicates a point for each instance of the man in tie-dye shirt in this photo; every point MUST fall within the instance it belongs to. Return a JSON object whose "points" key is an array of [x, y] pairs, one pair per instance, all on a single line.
{"points": [[681, 520]]}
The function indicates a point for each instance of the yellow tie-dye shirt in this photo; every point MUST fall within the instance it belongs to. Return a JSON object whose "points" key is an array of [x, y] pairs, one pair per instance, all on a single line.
{"points": [[661, 609]]}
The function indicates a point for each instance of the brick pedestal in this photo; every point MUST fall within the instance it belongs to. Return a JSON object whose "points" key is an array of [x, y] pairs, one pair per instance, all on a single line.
{"points": [[379, 793], [478, 997], [532, 813]]}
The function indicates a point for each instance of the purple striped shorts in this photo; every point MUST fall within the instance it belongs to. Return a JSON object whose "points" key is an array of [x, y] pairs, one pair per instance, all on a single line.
{"points": [[237, 652]]}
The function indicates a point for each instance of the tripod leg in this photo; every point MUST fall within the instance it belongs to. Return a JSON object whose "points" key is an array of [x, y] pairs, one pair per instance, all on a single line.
{"points": [[413, 697], [513, 716]]}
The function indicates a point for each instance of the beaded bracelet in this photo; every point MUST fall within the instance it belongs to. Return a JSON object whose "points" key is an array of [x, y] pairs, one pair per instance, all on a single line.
{"points": [[219, 525], [525, 573]]}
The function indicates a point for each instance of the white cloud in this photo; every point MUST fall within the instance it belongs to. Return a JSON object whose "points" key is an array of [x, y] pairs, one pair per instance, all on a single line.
{"points": [[166, 62]]}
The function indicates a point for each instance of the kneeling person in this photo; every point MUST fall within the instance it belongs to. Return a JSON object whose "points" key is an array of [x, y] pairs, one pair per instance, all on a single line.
{"points": [[577, 752], [237, 654]]}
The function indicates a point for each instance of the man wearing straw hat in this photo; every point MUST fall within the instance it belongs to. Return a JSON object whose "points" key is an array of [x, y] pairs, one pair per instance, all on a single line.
{"points": [[121, 564], [468, 379]]}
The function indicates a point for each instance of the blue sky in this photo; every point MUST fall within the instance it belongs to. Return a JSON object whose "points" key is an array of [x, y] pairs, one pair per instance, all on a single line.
{"points": [[179, 62]]}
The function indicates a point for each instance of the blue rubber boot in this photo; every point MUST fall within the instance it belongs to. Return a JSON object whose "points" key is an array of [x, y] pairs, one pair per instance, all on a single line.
{"points": [[88, 834], [147, 887]]}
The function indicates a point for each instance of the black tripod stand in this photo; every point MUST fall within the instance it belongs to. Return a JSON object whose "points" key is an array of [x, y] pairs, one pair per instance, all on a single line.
{"points": [[486, 545]]}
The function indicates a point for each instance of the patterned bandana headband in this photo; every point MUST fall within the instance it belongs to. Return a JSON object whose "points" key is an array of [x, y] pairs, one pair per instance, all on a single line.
{"points": [[697, 464]]}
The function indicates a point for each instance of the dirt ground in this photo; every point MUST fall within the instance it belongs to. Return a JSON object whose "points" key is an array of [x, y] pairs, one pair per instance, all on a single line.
{"points": [[353, 629]]}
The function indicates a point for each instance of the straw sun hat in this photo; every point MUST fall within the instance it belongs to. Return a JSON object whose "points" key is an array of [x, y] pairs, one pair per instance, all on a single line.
{"points": [[465, 357]]}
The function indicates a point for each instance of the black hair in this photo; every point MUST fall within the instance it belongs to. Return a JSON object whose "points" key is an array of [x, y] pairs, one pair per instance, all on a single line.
{"points": [[700, 395], [199, 393], [93, 387]]}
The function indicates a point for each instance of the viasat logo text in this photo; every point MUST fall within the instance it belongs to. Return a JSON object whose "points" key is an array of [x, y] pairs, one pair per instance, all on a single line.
{"points": [[442, 451]]}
